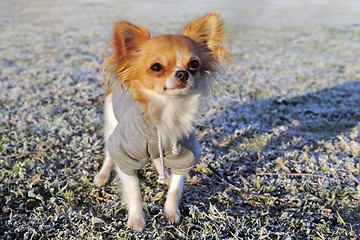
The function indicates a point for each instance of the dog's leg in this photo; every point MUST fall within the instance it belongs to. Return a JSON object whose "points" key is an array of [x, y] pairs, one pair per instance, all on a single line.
{"points": [[157, 165], [103, 176], [132, 197], [110, 124], [172, 212]]}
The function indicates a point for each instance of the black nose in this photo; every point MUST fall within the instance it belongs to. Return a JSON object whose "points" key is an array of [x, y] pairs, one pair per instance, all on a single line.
{"points": [[182, 75]]}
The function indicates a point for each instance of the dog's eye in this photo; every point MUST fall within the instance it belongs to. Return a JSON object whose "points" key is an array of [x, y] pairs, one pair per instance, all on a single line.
{"points": [[156, 67], [193, 65]]}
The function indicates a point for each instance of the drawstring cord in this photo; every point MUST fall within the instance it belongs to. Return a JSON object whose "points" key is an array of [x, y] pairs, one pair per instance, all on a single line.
{"points": [[162, 165], [162, 175]]}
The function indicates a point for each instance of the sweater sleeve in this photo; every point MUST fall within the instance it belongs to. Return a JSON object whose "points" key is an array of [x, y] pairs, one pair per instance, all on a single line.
{"points": [[127, 145], [188, 155], [127, 151]]}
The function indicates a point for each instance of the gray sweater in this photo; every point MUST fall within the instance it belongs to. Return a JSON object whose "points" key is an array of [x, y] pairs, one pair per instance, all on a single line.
{"points": [[135, 140]]}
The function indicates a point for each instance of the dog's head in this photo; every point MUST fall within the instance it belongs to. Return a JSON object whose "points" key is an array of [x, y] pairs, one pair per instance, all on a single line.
{"points": [[166, 65]]}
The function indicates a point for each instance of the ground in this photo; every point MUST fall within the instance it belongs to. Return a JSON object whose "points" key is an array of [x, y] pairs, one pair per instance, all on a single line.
{"points": [[279, 134]]}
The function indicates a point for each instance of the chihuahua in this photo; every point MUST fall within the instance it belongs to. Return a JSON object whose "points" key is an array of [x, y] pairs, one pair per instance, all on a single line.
{"points": [[152, 105]]}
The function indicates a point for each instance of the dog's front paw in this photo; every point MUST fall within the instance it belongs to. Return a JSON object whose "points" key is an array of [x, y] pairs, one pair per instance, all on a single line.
{"points": [[173, 215], [101, 178], [136, 221]]}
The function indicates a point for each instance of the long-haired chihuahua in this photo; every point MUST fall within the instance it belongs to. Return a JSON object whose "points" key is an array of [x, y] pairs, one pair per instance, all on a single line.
{"points": [[152, 104]]}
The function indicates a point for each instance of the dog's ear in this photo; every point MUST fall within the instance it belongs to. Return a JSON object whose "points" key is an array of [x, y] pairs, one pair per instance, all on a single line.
{"points": [[208, 30], [127, 38], [125, 41]]}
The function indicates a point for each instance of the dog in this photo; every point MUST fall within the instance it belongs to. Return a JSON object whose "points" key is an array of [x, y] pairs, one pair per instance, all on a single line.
{"points": [[152, 104]]}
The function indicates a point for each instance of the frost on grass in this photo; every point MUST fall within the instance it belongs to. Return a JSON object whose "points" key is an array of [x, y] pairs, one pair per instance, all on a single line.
{"points": [[280, 140]]}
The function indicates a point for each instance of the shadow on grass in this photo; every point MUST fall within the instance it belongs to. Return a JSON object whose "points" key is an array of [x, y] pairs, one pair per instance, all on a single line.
{"points": [[303, 120], [320, 115]]}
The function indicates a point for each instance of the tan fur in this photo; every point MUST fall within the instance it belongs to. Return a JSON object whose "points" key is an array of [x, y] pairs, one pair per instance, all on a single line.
{"points": [[209, 31]]}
